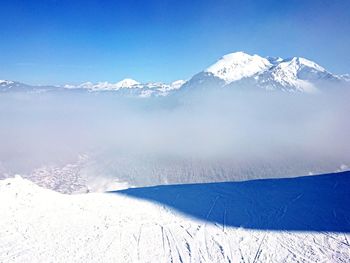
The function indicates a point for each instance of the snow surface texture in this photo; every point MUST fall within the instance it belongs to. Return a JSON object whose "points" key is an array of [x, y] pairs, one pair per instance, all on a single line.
{"points": [[303, 219], [232, 70], [236, 66]]}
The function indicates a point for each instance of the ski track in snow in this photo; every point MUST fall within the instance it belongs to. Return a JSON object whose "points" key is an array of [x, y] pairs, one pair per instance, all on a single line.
{"points": [[40, 225]]}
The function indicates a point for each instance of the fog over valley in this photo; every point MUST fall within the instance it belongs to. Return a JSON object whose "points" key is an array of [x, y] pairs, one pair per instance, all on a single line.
{"points": [[211, 135]]}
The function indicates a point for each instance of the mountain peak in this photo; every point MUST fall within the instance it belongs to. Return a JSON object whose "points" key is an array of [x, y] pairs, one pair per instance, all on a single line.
{"points": [[125, 83], [298, 67], [294, 74], [238, 65], [303, 62], [236, 55]]}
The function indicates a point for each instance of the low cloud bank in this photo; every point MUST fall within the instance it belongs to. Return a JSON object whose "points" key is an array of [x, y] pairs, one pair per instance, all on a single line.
{"points": [[196, 137]]}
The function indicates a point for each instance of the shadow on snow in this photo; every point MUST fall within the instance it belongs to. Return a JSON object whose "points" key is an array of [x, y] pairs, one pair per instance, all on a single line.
{"points": [[309, 203]]}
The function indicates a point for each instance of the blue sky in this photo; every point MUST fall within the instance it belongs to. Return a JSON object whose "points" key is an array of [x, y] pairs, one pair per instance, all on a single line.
{"points": [[67, 41]]}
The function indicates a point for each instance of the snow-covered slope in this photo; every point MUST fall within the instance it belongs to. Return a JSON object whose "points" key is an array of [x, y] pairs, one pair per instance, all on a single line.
{"points": [[238, 65], [281, 220], [295, 74]]}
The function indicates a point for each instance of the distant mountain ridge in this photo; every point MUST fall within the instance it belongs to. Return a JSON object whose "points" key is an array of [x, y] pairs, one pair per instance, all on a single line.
{"points": [[242, 70], [233, 70]]}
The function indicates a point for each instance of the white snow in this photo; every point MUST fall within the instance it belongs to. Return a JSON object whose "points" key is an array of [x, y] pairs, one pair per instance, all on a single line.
{"points": [[308, 63], [39, 225], [126, 83], [296, 74], [103, 86], [238, 65], [143, 89], [177, 84], [287, 73]]}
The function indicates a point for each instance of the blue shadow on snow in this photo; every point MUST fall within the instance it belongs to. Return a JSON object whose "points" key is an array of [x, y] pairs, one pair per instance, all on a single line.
{"points": [[309, 203]]}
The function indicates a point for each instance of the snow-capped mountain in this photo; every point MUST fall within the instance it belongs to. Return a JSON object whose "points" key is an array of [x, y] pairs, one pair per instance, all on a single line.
{"points": [[127, 83], [15, 86], [240, 70], [238, 65], [295, 74], [103, 86], [130, 87], [235, 70], [127, 87]]}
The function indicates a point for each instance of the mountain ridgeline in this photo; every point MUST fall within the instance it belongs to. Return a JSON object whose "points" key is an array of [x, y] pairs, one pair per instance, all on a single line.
{"points": [[235, 71]]}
